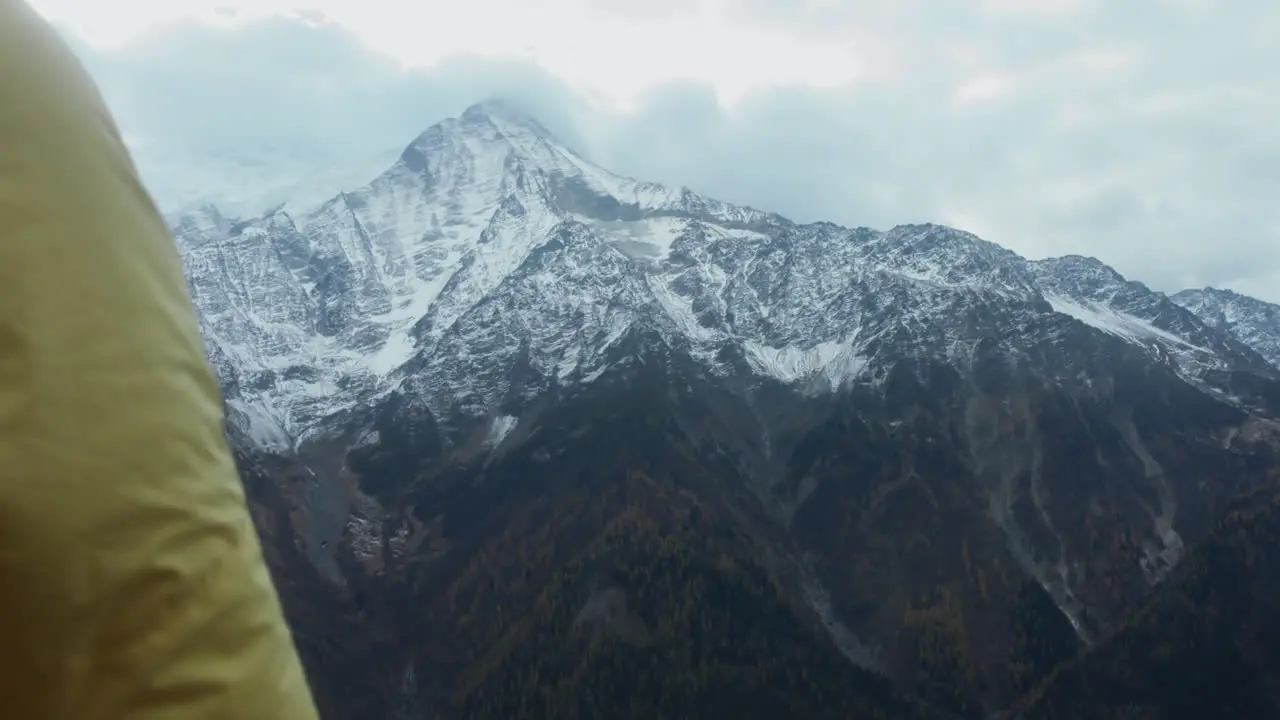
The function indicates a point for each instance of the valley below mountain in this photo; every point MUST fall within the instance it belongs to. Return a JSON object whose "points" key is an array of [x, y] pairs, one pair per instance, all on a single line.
{"points": [[525, 438]]}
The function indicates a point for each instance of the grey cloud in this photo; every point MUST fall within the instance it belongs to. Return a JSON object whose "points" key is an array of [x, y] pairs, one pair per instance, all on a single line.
{"points": [[1160, 160], [284, 107], [288, 80], [651, 10]]}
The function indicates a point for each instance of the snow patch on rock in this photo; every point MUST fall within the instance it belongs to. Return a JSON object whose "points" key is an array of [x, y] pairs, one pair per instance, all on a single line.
{"points": [[501, 427]]}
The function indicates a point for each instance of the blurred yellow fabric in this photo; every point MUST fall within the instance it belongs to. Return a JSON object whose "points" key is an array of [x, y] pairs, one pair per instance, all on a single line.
{"points": [[132, 584]]}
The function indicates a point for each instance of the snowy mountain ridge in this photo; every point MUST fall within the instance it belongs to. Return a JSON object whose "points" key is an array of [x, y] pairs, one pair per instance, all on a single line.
{"points": [[1249, 320], [491, 264]]}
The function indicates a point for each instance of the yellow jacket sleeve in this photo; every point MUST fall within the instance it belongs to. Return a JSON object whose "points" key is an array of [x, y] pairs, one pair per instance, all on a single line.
{"points": [[132, 584]]}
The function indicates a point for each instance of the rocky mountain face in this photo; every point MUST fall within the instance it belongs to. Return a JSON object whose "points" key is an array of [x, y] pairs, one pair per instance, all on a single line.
{"points": [[527, 438], [1249, 320], [1206, 645]]}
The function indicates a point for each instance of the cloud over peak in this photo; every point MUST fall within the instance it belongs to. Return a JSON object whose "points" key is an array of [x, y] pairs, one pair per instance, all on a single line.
{"points": [[1140, 133]]}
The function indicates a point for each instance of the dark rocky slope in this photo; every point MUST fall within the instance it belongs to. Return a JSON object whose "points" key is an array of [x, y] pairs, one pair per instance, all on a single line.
{"points": [[1207, 645], [638, 553], [604, 569]]}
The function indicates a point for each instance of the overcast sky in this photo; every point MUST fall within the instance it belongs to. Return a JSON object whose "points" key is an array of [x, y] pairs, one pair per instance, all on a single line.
{"points": [[1143, 132]]}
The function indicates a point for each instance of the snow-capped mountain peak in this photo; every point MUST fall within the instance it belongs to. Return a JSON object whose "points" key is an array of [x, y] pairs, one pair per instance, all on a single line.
{"points": [[491, 263], [505, 115]]}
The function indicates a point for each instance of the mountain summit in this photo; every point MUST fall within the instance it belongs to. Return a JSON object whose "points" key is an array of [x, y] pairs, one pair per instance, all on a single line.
{"points": [[322, 308], [499, 375]]}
